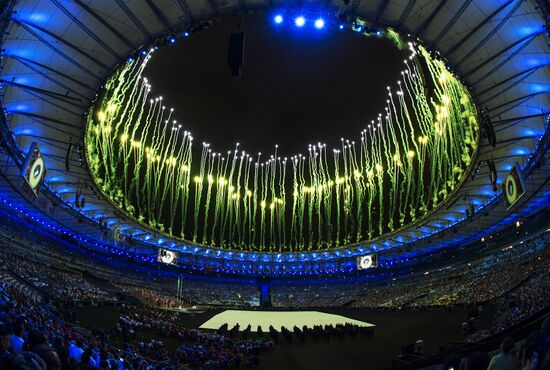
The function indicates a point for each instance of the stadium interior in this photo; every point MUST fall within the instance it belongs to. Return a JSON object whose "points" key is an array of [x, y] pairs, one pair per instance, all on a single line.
{"points": [[235, 184]]}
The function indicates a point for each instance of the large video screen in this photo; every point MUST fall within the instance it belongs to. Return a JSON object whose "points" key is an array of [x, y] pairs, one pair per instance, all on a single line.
{"points": [[167, 256], [34, 169], [367, 262], [513, 187]]}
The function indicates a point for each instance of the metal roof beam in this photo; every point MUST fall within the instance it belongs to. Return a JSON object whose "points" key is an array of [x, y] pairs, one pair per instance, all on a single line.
{"points": [[493, 32], [518, 101], [525, 40], [34, 205], [451, 23], [49, 126], [63, 41], [519, 119], [107, 25], [135, 20], [79, 115], [505, 61], [431, 17], [30, 63], [381, 8], [160, 16], [44, 138], [53, 80], [478, 27], [49, 119], [406, 13], [91, 33], [512, 140], [186, 9], [527, 73], [508, 156], [67, 99], [502, 91], [62, 54]]}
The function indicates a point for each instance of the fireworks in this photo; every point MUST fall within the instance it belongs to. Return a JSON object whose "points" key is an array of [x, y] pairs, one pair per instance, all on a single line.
{"points": [[404, 163]]}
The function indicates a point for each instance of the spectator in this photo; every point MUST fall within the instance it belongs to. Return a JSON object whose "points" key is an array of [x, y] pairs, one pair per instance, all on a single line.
{"points": [[75, 351], [504, 360], [10, 360], [38, 343], [17, 338], [534, 352], [5, 343]]}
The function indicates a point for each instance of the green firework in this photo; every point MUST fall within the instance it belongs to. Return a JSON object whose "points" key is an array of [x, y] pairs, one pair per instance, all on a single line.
{"points": [[404, 163]]}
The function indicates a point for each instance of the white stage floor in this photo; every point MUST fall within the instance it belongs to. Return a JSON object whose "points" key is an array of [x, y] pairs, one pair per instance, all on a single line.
{"points": [[288, 319]]}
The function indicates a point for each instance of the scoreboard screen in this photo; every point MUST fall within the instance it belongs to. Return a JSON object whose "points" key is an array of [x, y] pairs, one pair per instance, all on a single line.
{"points": [[513, 187], [167, 256], [34, 169], [367, 262]]}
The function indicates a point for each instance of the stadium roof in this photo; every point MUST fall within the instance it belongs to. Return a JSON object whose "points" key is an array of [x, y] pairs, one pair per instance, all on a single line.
{"points": [[57, 53]]}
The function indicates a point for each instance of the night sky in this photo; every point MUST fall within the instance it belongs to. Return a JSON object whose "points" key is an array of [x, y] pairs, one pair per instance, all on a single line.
{"points": [[299, 86]]}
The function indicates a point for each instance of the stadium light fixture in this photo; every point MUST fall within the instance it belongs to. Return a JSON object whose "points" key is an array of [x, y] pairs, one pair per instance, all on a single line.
{"points": [[319, 23], [300, 21]]}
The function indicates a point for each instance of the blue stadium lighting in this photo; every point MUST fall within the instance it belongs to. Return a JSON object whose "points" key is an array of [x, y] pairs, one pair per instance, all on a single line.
{"points": [[319, 23], [300, 21], [278, 19], [172, 40], [186, 34], [341, 27]]}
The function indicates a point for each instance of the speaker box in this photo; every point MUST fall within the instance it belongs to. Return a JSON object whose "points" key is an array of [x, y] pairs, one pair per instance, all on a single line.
{"points": [[235, 53]]}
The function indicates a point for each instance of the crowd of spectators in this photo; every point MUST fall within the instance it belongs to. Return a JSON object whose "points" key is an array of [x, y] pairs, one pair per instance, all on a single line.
{"points": [[477, 281], [468, 283], [48, 260], [153, 298], [227, 351], [527, 299], [39, 278], [195, 293], [532, 353], [54, 278], [35, 337]]}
